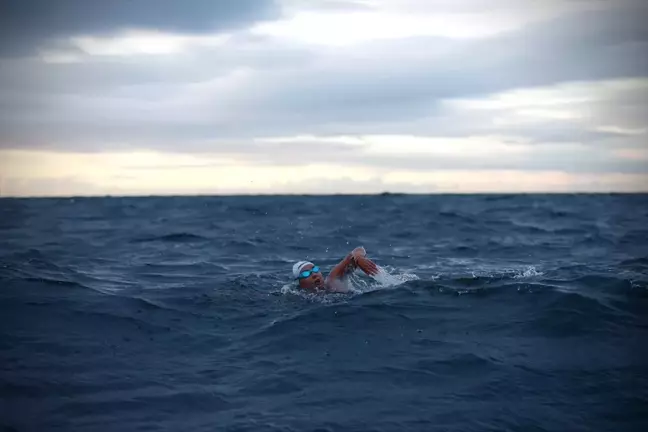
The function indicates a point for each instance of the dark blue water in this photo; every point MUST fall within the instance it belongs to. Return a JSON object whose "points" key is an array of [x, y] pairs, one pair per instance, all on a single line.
{"points": [[499, 313]]}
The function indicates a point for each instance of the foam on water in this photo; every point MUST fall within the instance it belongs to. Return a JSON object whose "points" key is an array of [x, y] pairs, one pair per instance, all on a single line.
{"points": [[528, 273], [387, 277]]}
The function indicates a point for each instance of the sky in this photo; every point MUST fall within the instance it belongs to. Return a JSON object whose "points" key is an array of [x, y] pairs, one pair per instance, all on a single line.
{"points": [[162, 97]]}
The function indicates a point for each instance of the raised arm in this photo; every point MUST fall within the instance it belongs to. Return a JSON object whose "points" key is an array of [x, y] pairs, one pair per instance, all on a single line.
{"points": [[343, 268], [356, 259]]}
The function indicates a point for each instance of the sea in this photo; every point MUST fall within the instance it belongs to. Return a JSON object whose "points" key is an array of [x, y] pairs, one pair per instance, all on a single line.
{"points": [[491, 313]]}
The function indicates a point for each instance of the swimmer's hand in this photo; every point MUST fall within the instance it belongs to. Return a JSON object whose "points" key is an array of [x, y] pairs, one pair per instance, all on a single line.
{"points": [[359, 255], [367, 266], [358, 252]]}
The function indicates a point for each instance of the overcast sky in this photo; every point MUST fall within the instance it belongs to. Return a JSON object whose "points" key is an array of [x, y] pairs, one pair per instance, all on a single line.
{"points": [[322, 96]]}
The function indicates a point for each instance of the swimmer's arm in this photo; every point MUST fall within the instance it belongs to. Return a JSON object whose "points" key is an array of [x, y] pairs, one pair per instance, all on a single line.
{"points": [[336, 286], [344, 267], [356, 259]]}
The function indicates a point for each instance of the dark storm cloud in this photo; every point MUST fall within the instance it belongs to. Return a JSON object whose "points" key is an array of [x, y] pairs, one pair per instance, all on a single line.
{"points": [[27, 24]]}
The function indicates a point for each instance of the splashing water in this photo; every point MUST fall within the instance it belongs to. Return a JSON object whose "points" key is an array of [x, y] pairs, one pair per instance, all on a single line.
{"points": [[387, 277], [528, 273]]}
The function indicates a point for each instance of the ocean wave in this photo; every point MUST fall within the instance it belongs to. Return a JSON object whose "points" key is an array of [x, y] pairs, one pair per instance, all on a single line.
{"points": [[56, 282], [120, 314], [640, 262], [568, 315], [171, 238]]}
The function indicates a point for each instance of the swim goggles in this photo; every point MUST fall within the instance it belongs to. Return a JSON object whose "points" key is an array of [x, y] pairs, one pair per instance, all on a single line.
{"points": [[307, 273]]}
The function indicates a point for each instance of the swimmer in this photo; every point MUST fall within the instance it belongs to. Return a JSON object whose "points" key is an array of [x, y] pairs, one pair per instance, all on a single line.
{"points": [[309, 275]]}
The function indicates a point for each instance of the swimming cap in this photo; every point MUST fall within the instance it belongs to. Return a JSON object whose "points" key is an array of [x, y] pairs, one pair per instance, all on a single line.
{"points": [[299, 266]]}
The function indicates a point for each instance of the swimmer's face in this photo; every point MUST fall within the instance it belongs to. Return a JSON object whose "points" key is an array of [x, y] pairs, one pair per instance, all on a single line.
{"points": [[315, 280]]}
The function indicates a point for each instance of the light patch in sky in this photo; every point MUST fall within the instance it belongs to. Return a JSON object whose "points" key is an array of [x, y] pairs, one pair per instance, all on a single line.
{"points": [[622, 130], [465, 147], [548, 97], [131, 43], [632, 154], [320, 22], [43, 173], [581, 103], [157, 172], [349, 28], [342, 139]]}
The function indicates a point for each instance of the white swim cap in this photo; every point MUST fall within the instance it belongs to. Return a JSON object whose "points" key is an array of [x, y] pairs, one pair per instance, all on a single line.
{"points": [[297, 268]]}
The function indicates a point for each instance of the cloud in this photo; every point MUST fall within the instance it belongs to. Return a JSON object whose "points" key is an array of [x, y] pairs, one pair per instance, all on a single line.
{"points": [[259, 87], [26, 25], [378, 86], [548, 128]]}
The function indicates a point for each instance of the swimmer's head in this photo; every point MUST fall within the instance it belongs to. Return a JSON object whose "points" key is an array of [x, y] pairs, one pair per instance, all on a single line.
{"points": [[308, 275]]}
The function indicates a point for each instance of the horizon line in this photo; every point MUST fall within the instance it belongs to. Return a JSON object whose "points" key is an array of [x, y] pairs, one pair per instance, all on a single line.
{"points": [[377, 194]]}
